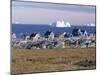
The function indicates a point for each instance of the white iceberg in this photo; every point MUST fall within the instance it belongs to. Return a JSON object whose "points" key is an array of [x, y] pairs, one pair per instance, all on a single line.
{"points": [[68, 24], [92, 25], [16, 22], [62, 24]]}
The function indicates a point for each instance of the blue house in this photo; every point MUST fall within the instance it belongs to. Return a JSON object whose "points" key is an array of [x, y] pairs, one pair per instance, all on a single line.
{"points": [[76, 32]]}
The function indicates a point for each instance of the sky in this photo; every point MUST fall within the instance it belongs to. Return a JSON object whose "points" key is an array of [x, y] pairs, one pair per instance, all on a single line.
{"points": [[47, 13]]}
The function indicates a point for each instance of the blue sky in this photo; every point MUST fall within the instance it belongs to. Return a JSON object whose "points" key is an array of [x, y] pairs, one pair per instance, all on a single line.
{"points": [[46, 13]]}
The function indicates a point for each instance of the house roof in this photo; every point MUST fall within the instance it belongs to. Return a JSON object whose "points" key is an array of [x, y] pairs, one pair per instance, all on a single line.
{"points": [[33, 34], [47, 33], [75, 32], [82, 31]]}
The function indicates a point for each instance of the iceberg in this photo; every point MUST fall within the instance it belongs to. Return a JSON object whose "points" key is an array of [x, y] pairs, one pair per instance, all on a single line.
{"points": [[62, 24], [91, 25], [68, 24]]}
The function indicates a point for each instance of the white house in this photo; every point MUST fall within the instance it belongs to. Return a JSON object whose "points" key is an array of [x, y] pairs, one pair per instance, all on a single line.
{"points": [[36, 37], [13, 36], [49, 35]]}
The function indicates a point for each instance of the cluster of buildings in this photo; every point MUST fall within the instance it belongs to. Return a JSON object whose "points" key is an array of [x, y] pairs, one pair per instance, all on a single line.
{"points": [[78, 38]]}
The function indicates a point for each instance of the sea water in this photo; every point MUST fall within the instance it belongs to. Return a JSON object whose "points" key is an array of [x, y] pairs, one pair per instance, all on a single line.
{"points": [[30, 28]]}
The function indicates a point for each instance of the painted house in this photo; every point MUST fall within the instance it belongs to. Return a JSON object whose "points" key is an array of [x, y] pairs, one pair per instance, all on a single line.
{"points": [[84, 33], [61, 39], [68, 35], [76, 32], [24, 35], [49, 35], [62, 36], [35, 37], [13, 36]]}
